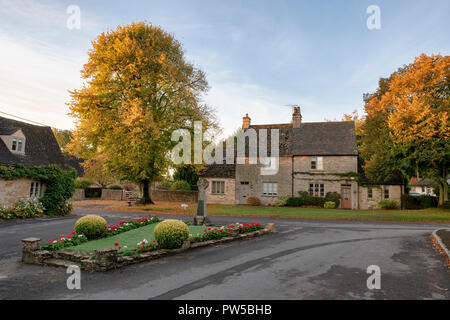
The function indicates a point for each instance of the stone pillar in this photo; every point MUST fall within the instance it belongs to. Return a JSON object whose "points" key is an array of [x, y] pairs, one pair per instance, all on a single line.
{"points": [[106, 259], [30, 245], [270, 227], [201, 218]]}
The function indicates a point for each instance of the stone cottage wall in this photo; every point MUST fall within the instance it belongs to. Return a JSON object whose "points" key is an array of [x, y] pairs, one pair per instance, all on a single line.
{"points": [[230, 192], [395, 193], [14, 190]]}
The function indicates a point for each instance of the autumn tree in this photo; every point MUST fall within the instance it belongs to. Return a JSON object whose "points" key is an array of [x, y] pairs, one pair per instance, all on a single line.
{"points": [[95, 170], [411, 113], [138, 89], [63, 138]]}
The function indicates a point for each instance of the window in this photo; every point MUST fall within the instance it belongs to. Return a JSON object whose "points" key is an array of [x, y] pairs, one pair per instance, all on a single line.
{"points": [[369, 193], [317, 190], [218, 187], [36, 190], [386, 192], [346, 194], [423, 189], [317, 163], [17, 144], [270, 189]]}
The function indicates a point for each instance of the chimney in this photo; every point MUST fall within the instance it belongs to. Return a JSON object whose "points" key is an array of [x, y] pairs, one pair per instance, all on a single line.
{"points": [[246, 122], [296, 117]]}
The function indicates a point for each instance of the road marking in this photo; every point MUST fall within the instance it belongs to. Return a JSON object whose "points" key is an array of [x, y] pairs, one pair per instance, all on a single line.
{"points": [[3, 277]]}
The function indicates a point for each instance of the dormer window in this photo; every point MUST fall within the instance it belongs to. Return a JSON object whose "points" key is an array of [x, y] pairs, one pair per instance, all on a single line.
{"points": [[17, 145]]}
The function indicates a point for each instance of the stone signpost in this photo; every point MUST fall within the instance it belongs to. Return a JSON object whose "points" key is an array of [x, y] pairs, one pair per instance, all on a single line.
{"points": [[200, 218]]}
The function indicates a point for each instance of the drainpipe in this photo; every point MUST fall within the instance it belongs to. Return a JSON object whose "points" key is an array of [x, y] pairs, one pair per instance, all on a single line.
{"points": [[292, 177]]}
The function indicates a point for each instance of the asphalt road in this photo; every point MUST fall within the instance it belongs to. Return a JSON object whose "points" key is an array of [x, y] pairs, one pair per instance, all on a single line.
{"points": [[304, 260]]}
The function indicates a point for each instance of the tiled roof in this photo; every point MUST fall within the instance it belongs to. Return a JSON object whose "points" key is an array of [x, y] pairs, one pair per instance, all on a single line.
{"points": [[41, 147]]}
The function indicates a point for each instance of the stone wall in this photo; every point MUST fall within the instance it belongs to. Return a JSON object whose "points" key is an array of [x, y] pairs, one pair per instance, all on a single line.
{"points": [[251, 173], [229, 197], [12, 191], [78, 194], [175, 196], [395, 193], [110, 194]]}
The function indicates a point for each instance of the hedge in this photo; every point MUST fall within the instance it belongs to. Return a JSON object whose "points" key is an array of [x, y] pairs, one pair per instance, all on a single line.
{"points": [[59, 184], [420, 202]]}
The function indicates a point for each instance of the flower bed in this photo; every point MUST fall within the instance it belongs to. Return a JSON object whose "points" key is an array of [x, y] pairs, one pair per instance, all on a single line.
{"points": [[76, 239], [111, 257], [225, 231]]}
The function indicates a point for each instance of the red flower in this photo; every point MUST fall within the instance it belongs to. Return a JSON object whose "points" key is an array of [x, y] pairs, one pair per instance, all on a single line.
{"points": [[120, 248], [73, 232], [116, 244], [154, 240]]}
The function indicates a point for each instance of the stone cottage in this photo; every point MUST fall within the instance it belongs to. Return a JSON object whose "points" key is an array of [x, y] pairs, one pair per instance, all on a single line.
{"points": [[316, 157], [29, 145]]}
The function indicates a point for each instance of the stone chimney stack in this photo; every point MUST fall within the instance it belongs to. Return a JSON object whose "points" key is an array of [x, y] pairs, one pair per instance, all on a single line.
{"points": [[246, 122], [296, 117]]}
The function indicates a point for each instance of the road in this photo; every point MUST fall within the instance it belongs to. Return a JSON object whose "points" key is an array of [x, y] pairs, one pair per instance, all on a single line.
{"points": [[305, 259]]}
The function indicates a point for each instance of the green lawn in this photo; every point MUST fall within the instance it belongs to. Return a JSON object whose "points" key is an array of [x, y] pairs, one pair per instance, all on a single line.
{"points": [[129, 239], [431, 215]]}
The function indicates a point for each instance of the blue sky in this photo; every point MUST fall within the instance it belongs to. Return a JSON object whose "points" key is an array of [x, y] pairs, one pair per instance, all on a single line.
{"points": [[259, 56]]}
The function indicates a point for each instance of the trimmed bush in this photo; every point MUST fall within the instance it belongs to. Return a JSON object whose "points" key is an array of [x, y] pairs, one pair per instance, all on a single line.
{"points": [[294, 202], [171, 233], [180, 185], [253, 201], [91, 226], [308, 200], [334, 197], [388, 204], [82, 183], [329, 205], [281, 202], [115, 187]]}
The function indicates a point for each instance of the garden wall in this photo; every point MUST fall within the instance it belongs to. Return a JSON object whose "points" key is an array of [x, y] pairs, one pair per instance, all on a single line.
{"points": [[78, 194], [175, 196], [109, 194]]}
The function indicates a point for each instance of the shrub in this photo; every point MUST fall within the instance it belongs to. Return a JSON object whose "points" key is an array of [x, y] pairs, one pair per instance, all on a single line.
{"points": [[22, 209], [388, 204], [180, 185], [170, 234], [253, 201], [420, 202], [329, 205], [166, 184], [308, 200], [115, 187], [82, 183], [294, 202], [446, 205], [281, 202], [91, 226], [333, 196]]}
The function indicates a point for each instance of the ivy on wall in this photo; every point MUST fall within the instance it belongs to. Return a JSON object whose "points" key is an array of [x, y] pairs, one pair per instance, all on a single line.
{"points": [[60, 184]]}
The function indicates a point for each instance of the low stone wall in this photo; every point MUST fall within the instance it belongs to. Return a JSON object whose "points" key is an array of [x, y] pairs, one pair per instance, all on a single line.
{"points": [[175, 196], [79, 194], [110, 194], [108, 259]]}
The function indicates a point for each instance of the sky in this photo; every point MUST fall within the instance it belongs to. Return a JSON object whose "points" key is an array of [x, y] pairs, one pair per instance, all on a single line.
{"points": [[260, 57]]}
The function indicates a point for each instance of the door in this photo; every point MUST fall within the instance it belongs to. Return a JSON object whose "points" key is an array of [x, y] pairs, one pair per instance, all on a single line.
{"points": [[346, 197], [243, 192]]}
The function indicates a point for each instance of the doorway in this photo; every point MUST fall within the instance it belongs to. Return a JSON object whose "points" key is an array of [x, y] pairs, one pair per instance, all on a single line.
{"points": [[346, 197]]}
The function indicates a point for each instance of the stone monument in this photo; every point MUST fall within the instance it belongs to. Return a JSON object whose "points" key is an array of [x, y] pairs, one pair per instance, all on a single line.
{"points": [[200, 218]]}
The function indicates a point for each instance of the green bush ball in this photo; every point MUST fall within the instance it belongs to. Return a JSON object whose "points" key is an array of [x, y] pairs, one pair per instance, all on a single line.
{"points": [[171, 234], [91, 226]]}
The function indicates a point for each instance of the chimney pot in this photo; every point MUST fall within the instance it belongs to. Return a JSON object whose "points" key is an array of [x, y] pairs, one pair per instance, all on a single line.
{"points": [[296, 117], [246, 122]]}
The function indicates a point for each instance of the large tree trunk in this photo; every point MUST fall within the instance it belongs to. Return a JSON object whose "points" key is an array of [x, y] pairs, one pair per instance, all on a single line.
{"points": [[146, 196], [443, 192]]}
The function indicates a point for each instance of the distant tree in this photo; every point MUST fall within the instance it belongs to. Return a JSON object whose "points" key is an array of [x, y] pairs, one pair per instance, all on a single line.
{"points": [[139, 89], [63, 137], [188, 173]]}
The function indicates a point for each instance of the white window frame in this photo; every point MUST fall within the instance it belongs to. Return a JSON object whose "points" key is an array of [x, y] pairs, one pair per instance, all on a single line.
{"points": [[318, 163], [217, 187], [270, 189], [18, 145], [36, 189]]}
